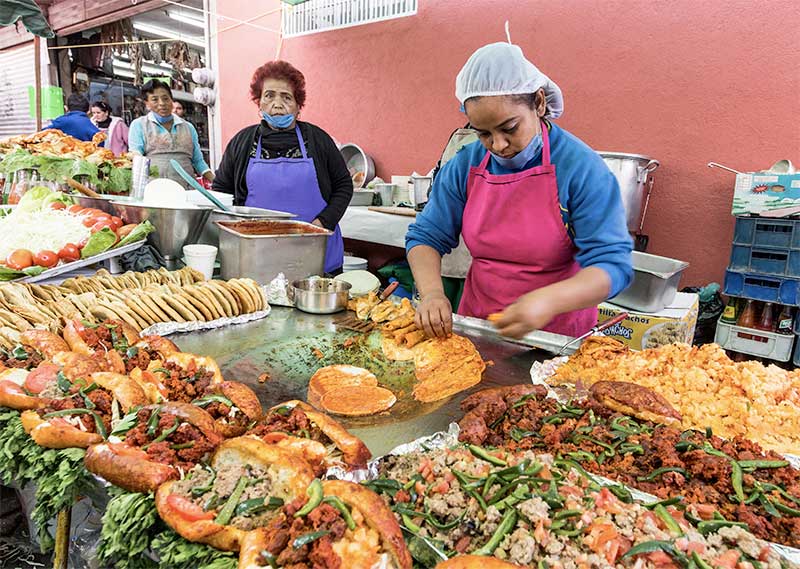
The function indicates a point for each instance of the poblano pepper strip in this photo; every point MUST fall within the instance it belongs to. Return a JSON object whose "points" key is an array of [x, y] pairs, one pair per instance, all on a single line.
{"points": [[506, 525], [226, 513], [339, 505], [314, 493]]}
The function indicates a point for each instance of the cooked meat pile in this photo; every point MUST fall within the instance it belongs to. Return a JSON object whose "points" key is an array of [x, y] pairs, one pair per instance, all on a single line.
{"points": [[186, 384], [22, 357], [292, 421], [94, 398], [182, 446], [736, 478]]}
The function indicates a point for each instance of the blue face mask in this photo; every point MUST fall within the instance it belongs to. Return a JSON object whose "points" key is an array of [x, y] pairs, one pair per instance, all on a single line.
{"points": [[278, 121], [518, 161], [162, 120]]}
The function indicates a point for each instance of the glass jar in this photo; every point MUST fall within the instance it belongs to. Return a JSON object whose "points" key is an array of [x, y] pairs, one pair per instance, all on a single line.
{"points": [[23, 181]]}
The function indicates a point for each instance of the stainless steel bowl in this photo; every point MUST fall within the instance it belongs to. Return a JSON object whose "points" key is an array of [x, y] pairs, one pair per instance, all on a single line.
{"points": [[320, 296], [102, 203], [210, 234], [358, 161], [174, 227]]}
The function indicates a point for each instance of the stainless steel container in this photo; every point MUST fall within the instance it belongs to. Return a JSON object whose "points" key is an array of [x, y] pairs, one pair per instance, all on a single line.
{"points": [[102, 203], [362, 197], [357, 162], [260, 249], [320, 296], [210, 233], [655, 283], [632, 172], [175, 227]]}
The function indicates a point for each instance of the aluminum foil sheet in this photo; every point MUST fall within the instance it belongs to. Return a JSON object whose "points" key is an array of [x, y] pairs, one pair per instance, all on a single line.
{"points": [[276, 291], [167, 328]]}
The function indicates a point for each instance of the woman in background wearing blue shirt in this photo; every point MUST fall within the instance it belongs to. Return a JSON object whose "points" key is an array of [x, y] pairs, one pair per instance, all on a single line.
{"points": [[539, 210], [163, 136]]}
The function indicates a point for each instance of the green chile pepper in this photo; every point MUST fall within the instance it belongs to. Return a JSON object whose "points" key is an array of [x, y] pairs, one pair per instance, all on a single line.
{"points": [[483, 454], [506, 525], [339, 505], [307, 538], [659, 471], [314, 493], [226, 513], [98, 422]]}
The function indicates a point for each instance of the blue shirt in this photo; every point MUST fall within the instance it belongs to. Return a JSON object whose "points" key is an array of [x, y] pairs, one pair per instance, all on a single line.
{"points": [[591, 205], [137, 143], [77, 124]]}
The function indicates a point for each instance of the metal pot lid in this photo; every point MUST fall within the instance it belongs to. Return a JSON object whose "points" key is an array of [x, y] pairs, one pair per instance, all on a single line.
{"points": [[608, 154]]}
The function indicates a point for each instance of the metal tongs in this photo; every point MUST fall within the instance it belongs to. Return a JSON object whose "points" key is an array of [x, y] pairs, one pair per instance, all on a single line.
{"points": [[599, 328]]}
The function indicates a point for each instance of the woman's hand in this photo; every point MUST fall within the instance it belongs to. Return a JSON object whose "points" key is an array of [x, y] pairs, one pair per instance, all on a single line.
{"points": [[435, 315], [532, 311]]}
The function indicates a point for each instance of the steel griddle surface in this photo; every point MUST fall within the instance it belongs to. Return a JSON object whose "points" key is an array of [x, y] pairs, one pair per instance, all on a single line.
{"points": [[283, 345]]}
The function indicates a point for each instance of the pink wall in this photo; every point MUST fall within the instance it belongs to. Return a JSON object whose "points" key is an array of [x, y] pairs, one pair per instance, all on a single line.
{"points": [[681, 81]]}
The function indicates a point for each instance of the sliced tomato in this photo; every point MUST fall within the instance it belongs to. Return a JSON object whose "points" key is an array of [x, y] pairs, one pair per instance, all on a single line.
{"points": [[661, 560], [69, 252], [58, 205], [19, 259], [75, 208], [38, 379], [45, 259], [187, 509], [116, 222], [102, 224]]}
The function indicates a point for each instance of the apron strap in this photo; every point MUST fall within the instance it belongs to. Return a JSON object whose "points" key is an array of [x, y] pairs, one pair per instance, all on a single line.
{"points": [[300, 140], [485, 162], [258, 149], [545, 145]]}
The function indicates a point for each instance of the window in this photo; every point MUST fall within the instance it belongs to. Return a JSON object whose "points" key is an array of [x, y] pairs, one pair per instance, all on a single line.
{"points": [[322, 15]]}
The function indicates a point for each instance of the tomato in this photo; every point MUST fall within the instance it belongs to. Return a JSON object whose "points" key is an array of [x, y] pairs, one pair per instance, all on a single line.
{"points": [[69, 252], [58, 205], [125, 230], [88, 221], [45, 259], [75, 208], [19, 259], [116, 222], [101, 224], [39, 378], [187, 509]]}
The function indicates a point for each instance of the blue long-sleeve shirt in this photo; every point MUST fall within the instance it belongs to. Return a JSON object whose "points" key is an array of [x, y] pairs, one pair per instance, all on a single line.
{"points": [[591, 205], [137, 142], [76, 124]]}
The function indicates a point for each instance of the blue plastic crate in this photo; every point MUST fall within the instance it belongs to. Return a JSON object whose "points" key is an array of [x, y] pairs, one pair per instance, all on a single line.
{"points": [[767, 288], [766, 232], [768, 261]]}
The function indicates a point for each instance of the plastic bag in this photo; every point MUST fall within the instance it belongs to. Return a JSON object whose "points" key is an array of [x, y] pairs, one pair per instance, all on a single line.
{"points": [[711, 308]]}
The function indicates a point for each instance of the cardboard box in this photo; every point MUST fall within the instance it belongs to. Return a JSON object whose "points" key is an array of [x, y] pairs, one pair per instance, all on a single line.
{"points": [[759, 192], [640, 331]]}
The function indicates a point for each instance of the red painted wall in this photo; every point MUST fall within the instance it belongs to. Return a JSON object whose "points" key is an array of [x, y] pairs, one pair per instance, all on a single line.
{"points": [[681, 81]]}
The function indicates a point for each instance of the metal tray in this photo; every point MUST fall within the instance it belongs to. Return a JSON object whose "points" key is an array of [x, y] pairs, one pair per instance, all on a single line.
{"points": [[655, 283], [61, 269]]}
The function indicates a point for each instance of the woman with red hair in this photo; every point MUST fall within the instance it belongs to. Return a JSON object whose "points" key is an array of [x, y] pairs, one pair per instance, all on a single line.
{"points": [[286, 164]]}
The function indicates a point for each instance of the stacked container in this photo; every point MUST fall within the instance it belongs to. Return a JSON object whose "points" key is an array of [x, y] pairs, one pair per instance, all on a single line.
{"points": [[764, 268]]}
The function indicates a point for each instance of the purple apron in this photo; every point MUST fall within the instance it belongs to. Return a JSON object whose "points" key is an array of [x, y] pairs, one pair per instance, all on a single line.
{"points": [[290, 184]]}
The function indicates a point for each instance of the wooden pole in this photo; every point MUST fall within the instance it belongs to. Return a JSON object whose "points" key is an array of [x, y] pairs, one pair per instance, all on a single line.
{"points": [[37, 65]]}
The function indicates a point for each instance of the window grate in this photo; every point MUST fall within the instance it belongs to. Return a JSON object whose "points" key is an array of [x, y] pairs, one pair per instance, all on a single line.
{"points": [[323, 15]]}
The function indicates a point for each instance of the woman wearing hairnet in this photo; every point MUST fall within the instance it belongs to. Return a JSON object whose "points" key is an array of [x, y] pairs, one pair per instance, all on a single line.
{"points": [[538, 209]]}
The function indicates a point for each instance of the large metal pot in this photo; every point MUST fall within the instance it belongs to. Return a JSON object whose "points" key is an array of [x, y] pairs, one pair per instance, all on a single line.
{"points": [[358, 161], [320, 296], [632, 172]]}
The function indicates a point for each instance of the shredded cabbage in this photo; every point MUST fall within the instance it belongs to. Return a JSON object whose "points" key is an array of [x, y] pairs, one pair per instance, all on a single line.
{"points": [[45, 230]]}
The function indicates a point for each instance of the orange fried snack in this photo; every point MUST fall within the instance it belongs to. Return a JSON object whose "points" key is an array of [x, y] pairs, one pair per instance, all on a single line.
{"points": [[357, 400], [446, 366], [335, 377]]}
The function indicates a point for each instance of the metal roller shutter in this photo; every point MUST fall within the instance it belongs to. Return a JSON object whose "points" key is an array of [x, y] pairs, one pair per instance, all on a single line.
{"points": [[16, 75]]}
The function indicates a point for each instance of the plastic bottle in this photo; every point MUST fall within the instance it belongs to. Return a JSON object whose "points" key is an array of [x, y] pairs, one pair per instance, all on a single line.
{"points": [[748, 317], [731, 312], [786, 321], [767, 320]]}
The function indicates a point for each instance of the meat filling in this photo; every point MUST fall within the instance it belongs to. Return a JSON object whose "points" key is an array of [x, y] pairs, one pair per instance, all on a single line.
{"points": [[294, 422], [186, 384], [96, 399], [182, 446], [21, 357]]}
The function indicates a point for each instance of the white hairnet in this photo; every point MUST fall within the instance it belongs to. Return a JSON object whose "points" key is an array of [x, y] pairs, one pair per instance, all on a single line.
{"points": [[501, 69]]}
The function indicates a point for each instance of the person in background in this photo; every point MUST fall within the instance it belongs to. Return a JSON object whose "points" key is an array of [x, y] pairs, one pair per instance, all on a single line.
{"points": [[115, 128], [539, 210], [177, 109], [286, 164], [75, 122], [162, 136]]}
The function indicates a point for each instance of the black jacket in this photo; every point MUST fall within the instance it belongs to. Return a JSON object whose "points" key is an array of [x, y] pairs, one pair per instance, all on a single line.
{"points": [[334, 179]]}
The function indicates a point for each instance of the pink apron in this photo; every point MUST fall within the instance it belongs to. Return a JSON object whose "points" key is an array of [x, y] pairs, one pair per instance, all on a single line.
{"points": [[513, 228]]}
